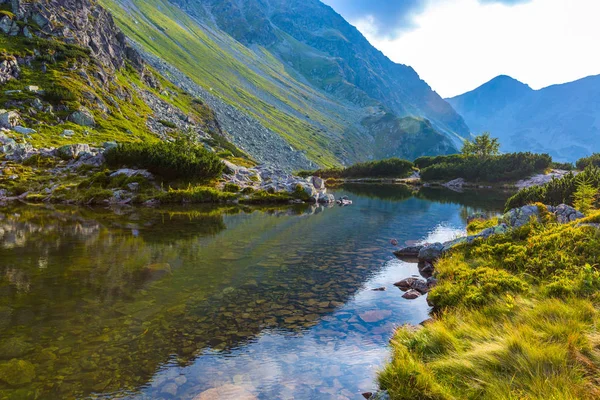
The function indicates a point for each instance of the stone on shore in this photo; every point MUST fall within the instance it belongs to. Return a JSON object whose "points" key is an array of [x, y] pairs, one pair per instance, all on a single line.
{"points": [[431, 252], [409, 251]]}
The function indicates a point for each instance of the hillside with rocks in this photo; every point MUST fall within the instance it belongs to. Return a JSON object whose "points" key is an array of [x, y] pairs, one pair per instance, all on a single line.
{"points": [[562, 120], [326, 91]]}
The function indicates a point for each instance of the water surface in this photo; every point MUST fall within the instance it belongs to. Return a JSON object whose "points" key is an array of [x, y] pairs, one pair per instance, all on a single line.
{"points": [[213, 302]]}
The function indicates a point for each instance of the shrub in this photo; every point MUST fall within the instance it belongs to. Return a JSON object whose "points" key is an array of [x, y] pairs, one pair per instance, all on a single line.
{"points": [[182, 159], [231, 188], [59, 94], [390, 168], [593, 160], [506, 167], [557, 191], [564, 166], [426, 161]]}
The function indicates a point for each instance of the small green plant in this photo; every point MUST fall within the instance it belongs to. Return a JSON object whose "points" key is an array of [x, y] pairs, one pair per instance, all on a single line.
{"points": [[231, 188], [585, 195], [168, 124]]}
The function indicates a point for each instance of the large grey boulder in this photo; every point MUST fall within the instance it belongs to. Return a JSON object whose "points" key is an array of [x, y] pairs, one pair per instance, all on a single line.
{"points": [[72, 151], [431, 252], [325, 198], [409, 251], [565, 214], [83, 117], [518, 217], [9, 119]]}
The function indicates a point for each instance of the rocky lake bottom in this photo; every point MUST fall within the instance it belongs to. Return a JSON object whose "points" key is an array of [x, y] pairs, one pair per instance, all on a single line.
{"points": [[213, 302]]}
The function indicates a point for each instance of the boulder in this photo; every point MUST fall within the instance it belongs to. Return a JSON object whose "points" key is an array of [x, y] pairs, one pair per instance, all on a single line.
{"points": [[411, 294], [431, 253], [318, 182], [132, 172], [325, 198], [109, 145], [9, 119], [83, 117], [565, 214], [518, 217], [17, 372], [67, 133], [405, 284], [409, 251], [426, 269], [23, 130], [72, 151], [413, 284]]}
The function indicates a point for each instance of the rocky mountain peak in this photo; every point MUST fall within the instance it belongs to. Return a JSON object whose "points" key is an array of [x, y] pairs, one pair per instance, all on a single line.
{"points": [[79, 22]]}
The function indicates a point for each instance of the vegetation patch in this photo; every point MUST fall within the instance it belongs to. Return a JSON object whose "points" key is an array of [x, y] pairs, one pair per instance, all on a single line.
{"points": [[561, 190], [182, 159], [390, 168], [515, 319]]}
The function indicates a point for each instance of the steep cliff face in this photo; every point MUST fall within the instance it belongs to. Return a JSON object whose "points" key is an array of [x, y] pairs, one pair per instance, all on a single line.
{"points": [[80, 22]]}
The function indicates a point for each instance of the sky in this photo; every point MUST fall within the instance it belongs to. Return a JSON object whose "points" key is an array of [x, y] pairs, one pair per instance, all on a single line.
{"points": [[457, 45]]}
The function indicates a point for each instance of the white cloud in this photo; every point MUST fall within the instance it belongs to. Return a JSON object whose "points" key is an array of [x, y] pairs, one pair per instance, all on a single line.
{"points": [[459, 44]]}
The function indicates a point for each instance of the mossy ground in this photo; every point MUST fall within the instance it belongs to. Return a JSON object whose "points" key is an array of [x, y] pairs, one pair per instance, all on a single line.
{"points": [[516, 318]]}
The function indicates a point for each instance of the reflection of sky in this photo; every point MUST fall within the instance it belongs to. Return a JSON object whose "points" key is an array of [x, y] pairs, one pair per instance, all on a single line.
{"points": [[340, 356]]}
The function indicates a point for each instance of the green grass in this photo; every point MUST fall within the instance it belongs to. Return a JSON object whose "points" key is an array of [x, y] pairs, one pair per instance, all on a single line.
{"points": [[516, 318]]}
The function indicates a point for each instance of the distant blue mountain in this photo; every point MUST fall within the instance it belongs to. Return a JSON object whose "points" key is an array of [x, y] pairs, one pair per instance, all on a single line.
{"points": [[562, 120]]}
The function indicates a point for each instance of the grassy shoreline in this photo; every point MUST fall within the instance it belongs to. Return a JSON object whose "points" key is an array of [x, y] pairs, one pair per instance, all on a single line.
{"points": [[515, 317]]}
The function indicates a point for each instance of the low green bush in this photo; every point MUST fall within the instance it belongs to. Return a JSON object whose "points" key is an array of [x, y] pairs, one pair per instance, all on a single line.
{"points": [[390, 168], [502, 168], [182, 159], [557, 191], [593, 160]]}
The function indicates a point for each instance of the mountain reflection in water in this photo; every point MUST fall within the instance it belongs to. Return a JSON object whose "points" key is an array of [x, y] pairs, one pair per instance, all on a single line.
{"points": [[212, 301]]}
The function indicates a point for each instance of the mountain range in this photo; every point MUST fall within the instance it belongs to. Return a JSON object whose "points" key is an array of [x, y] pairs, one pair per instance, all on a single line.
{"points": [[561, 120], [301, 71]]}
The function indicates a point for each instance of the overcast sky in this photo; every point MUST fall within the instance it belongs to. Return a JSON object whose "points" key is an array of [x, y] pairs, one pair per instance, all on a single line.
{"points": [[457, 45]]}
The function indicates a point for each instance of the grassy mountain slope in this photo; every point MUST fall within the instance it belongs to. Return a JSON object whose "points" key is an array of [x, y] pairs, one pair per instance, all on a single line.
{"points": [[267, 79], [562, 120]]}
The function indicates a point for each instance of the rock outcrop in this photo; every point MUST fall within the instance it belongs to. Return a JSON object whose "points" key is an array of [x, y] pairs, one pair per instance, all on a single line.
{"points": [[81, 22]]}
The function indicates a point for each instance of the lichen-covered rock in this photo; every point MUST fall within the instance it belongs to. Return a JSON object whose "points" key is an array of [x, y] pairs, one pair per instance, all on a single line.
{"points": [[72, 151], [518, 217], [565, 214], [9, 69], [83, 117], [17, 372], [9, 119]]}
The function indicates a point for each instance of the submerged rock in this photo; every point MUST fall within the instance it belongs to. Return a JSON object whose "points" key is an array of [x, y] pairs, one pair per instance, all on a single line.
{"points": [[373, 316], [226, 392], [17, 372]]}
